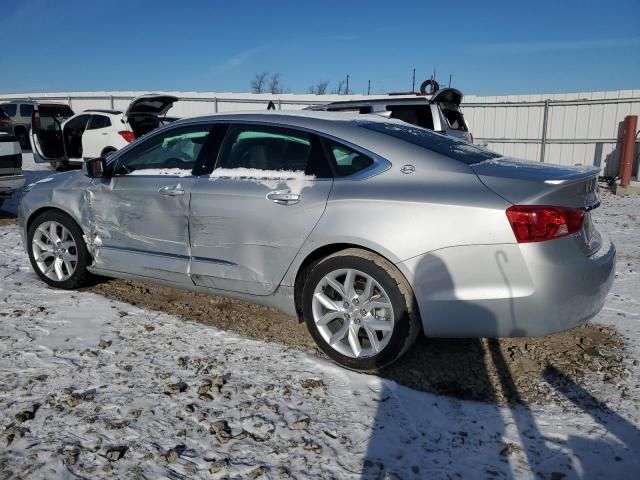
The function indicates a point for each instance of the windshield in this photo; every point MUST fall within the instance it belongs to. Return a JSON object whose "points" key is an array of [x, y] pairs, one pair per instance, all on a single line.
{"points": [[451, 147]]}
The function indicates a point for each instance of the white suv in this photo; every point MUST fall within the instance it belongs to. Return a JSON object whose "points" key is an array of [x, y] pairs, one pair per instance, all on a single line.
{"points": [[61, 138]]}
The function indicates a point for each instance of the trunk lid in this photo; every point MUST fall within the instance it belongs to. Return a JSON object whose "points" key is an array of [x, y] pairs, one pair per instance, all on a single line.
{"points": [[535, 183], [452, 96], [150, 104], [144, 112]]}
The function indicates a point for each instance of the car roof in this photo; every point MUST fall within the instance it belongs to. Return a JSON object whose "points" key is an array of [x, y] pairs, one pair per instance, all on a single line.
{"points": [[340, 125], [98, 110], [17, 100], [384, 101]]}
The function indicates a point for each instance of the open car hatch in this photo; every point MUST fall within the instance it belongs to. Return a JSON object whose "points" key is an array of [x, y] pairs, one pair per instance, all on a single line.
{"points": [[144, 112], [451, 96]]}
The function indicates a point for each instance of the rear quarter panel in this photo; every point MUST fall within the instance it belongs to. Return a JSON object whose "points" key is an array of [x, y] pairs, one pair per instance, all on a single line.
{"points": [[401, 216]]}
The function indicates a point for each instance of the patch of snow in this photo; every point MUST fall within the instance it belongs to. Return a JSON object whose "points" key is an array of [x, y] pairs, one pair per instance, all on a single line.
{"points": [[93, 387], [293, 180]]}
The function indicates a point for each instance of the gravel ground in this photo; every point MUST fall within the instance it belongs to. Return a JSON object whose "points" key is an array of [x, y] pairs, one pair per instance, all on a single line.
{"points": [[468, 369], [136, 381]]}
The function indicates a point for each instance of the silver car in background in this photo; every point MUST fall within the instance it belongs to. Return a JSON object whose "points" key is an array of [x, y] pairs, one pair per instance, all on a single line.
{"points": [[370, 230]]}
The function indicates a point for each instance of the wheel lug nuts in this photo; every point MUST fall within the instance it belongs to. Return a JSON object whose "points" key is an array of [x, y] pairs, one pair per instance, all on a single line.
{"points": [[347, 316], [363, 312], [345, 304], [355, 301]]}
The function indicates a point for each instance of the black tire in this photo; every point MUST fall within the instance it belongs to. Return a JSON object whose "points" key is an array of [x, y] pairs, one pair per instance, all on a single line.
{"points": [[407, 323], [107, 151], [23, 138], [81, 276], [433, 87]]}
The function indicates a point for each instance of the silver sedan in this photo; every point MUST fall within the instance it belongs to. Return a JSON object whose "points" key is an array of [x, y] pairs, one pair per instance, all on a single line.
{"points": [[371, 231]]}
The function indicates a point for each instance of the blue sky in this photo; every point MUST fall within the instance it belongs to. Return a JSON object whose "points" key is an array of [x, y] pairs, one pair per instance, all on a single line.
{"points": [[499, 47]]}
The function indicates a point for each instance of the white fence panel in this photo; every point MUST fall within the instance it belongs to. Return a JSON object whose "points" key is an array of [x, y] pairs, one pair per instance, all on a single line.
{"points": [[569, 129]]}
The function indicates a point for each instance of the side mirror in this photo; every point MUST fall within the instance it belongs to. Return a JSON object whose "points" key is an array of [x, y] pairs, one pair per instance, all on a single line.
{"points": [[96, 168]]}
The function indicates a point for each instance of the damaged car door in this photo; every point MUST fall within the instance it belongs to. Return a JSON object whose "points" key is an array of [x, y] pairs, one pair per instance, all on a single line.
{"points": [[138, 217], [250, 217]]}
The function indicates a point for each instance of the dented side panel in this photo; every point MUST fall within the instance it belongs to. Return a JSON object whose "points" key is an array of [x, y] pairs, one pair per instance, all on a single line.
{"points": [[242, 241], [133, 228]]}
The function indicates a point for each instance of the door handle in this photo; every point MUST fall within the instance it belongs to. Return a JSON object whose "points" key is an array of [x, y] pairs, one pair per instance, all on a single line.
{"points": [[171, 190], [283, 197]]}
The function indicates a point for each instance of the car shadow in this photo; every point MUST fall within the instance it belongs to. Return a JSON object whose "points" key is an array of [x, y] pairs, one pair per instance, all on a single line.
{"points": [[435, 435]]}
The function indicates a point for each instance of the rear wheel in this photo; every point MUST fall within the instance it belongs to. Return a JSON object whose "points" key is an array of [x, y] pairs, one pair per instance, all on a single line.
{"points": [[57, 250], [359, 309], [107, 151], [23, 138]]}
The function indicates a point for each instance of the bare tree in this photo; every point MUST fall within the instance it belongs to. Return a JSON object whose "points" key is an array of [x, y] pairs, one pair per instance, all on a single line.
{"points": [[319, 88], [274, 84], [340, 89], [259, 82]]}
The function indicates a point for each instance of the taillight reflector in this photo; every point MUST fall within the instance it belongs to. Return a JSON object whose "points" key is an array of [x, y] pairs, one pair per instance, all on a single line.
{"points": [[127, 135], [537, 223]]}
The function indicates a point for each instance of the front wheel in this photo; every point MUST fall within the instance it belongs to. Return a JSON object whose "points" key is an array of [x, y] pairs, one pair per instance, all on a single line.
{"points": [[57, 250], [360, 310]]}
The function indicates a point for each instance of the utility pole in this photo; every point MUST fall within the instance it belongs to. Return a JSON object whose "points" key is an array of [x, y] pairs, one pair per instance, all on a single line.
{"points": [[413, 83], [369, 87], [449, 80], [346, 92]]}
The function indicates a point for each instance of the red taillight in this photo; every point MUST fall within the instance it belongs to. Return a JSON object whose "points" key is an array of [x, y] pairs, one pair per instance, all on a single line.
{"points": [[537, 223], [127, 135]]}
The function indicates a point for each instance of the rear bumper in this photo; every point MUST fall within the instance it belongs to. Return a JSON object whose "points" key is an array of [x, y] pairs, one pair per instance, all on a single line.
{"points": [[510, 290], [10, 183]]}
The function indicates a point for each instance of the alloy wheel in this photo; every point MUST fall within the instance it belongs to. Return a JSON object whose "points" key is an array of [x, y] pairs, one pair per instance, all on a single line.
{"points": [[54, 251], [353, 313]]}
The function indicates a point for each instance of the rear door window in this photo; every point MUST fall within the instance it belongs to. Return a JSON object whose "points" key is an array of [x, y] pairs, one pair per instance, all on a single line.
{"points": [[262, 147], [26, 109], [347, 160], [98, 121], [419, 115], [454, 119]]}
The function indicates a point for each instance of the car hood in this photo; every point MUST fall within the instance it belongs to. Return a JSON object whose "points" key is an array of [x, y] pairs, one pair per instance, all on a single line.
{"points": [[73, 179]]}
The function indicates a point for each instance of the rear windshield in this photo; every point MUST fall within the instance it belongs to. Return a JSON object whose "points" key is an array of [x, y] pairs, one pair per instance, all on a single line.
{"points": [[454, 119], [442, 144], [419, 115]]}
